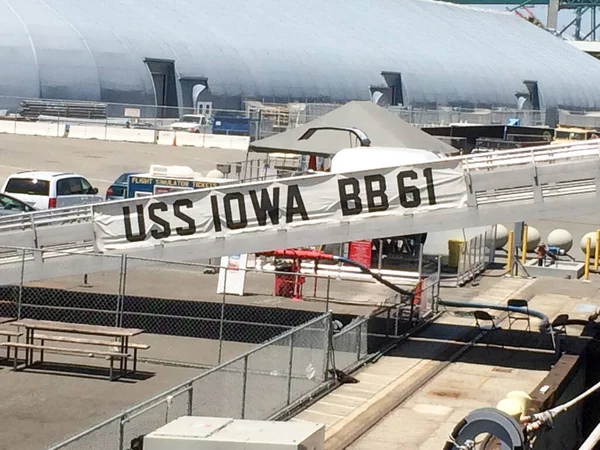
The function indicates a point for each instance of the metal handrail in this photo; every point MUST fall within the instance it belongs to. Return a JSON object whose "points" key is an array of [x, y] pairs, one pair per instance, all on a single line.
{"points": [[531, 156], [492, 160]]}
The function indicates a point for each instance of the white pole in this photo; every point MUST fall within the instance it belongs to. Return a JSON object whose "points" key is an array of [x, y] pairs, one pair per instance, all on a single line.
{"points": [[592, 440]]}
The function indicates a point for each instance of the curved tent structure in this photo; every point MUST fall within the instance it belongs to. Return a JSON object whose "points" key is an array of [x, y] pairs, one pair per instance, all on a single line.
{"points": [[175, 53], [382, 127]]}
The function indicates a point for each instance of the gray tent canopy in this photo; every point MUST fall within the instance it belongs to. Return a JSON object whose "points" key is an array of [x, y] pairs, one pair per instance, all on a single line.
{"points": [[383, 128]]}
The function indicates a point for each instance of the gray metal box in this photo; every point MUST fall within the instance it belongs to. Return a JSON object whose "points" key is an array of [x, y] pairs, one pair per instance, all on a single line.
{"points": [[214, 433]]}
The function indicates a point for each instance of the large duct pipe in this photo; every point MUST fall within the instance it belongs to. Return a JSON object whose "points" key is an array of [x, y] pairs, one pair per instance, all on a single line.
{"points": [[309, 254], [544, 325]]}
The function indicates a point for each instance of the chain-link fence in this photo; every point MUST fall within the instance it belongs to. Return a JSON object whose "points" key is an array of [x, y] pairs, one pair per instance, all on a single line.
{"points": [[227, 309], [254, 385], [268, 380], [367, 335], [197, 126]]}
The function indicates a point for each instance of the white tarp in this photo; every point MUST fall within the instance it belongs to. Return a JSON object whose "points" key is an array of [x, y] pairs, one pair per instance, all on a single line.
{"points": [[279, 205]]}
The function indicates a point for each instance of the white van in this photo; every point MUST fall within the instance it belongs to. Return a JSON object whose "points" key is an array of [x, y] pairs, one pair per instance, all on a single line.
{"points": [[44, 190]]}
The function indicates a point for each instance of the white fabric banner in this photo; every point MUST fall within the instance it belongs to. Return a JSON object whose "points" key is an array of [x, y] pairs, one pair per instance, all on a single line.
{"points": [[279, 204]]}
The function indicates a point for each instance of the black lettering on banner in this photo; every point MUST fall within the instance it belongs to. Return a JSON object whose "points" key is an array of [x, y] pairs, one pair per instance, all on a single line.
{"points": [[243, 221], [214, 206], [266, 206], [428, 173], [191, 228], [410, 197], [377, 200], [346, 197], [166, 227], [141, 235], [295, 204]]}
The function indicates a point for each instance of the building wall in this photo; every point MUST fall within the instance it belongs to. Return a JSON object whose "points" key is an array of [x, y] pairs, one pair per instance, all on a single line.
{"points": [[281, 51]]}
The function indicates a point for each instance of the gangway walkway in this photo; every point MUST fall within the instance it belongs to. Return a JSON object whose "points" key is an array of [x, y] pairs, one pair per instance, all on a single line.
{"points": [[545, 182]]}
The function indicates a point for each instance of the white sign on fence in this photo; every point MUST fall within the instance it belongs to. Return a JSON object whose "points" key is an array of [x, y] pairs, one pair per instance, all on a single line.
{"points": [[232, 276], [279, 204]]}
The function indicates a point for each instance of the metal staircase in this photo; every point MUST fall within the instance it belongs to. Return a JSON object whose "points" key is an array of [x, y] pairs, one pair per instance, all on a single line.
{"points": [[547, 182]]}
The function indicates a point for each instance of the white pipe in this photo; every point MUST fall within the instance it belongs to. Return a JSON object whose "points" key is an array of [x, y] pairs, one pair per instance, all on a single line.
{"points": [[592, 440]]}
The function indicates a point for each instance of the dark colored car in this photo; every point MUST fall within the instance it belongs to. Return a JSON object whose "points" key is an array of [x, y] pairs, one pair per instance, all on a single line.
{"points": [[10, 206], [118, 190]]}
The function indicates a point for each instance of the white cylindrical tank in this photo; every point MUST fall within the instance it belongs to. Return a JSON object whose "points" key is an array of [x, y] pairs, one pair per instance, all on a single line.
{"points": [[592, 236], [562, 239], [366, 158], [533, 239], [501, 236]]}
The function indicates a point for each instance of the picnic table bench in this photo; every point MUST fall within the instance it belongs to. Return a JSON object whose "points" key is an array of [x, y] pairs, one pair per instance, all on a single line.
{"points": [[8, 334], [118, 349]]}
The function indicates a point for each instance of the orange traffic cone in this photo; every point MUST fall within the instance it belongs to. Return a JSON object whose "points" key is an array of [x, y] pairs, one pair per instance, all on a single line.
{"points": [[175, 140]]}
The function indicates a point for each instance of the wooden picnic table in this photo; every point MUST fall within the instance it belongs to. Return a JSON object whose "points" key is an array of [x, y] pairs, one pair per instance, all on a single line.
{"points": [[122, 335], [4, 320]]}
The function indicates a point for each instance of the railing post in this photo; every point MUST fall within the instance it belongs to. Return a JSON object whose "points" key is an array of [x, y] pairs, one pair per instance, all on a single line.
{"points": [[190, 405], [244, 386], [290, 366]]}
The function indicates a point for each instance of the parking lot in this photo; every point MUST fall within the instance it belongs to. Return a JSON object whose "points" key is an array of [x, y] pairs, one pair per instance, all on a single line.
{"points": [[99, 161]]}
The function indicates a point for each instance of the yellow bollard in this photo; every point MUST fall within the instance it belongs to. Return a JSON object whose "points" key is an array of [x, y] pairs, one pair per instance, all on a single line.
{"points": [[511, 253], [524, 245], [588, 251], [597, 250]]}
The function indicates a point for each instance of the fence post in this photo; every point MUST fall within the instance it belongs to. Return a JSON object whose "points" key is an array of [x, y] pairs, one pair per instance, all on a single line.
{"points": [[328, 345], [222, 320], [439, 283], [122, 431], [124, 295], [328, 288], [119, 294], [20, 301], [190, 405], [358, 341], [387, 324], [290, 366], [244, 385]]}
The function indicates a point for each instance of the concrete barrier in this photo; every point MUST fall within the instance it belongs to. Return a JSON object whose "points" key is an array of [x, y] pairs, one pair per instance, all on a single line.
{"points": [[125, 135], [7, 126], [87, 132], [32, 128], [203, 140]]}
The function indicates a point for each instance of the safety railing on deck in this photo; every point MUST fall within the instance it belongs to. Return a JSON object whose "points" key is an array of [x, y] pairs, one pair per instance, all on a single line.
{"points": [[22, 230]]}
